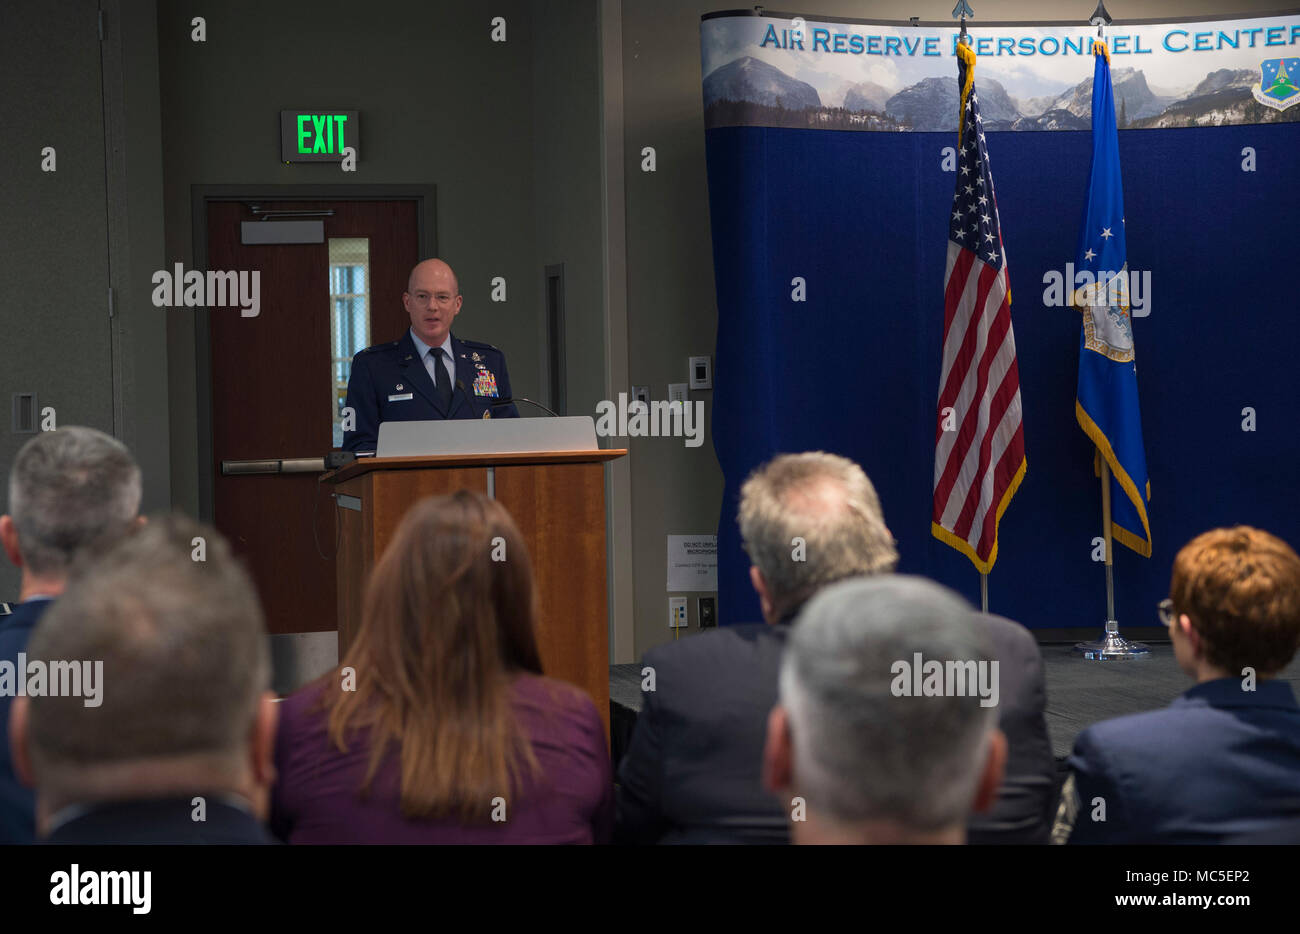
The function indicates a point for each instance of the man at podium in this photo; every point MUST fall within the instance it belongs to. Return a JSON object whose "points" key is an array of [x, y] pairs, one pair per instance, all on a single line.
{"points": [[427, 374]]}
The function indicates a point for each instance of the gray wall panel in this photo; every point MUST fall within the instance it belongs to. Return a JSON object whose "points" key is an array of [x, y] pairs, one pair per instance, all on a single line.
{"points": [[566, 182], [136, 239], [54, 325]]}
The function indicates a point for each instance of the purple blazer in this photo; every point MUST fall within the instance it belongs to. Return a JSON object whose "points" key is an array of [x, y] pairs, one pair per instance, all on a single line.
{"points": [[317, 797]]}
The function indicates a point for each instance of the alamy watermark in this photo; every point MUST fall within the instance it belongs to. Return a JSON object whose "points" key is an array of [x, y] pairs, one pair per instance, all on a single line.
{"points": [[129, 887], [36, 678], [951, 678], [217, 289], [638, 419], [1127, 288]]}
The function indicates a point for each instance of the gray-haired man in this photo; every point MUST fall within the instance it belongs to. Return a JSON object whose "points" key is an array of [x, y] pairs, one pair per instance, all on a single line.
{"points": [[71, 491], [886, 731], [176, 747], [692, 770]]}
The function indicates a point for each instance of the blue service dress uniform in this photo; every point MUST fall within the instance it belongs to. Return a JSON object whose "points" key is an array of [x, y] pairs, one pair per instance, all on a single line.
{"points": [[1219, 762], [389, 383]]}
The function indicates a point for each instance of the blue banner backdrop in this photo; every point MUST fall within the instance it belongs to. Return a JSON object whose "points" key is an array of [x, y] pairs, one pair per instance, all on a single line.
{"points": [[861, 217]]}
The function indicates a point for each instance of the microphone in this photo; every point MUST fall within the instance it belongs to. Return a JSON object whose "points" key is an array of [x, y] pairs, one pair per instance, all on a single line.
{"points": [[460, 384], [276, 465], [512, 401]]}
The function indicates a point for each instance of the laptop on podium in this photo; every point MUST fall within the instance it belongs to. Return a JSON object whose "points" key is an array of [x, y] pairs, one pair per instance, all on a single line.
{"points": [[487, 436]]}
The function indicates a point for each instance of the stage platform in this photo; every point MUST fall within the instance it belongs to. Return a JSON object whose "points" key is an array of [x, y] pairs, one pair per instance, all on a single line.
{"points": [[1079, 692]]}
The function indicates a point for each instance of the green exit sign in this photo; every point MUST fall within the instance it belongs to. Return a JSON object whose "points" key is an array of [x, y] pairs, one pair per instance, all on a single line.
{"points": [[318, 135]]}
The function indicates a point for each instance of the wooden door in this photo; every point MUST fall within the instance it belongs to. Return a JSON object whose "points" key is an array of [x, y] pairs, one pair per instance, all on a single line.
{"points": [[274, 389]]}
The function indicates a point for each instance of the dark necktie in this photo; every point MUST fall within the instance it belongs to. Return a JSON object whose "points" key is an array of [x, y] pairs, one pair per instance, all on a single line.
{"points": [[441, 381]]}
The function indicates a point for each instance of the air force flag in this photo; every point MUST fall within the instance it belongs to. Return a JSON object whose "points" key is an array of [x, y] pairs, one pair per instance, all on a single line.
{"points": [[1106, 403]]}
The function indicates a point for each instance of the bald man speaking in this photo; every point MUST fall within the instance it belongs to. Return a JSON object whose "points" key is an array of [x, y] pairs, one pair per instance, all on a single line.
{"points": [[428, 373]]}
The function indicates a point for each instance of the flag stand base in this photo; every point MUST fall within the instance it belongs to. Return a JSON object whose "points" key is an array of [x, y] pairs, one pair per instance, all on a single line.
{"points": [[1112, 647]]}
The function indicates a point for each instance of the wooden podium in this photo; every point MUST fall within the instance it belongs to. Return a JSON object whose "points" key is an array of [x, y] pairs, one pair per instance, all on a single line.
{"points": [[558, 501]]}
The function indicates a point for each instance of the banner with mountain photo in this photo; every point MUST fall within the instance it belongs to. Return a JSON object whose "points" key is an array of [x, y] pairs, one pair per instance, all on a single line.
{"points": [[765, 71], [829, 252]]}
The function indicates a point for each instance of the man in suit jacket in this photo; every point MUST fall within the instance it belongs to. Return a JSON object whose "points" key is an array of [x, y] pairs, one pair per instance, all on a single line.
{"points": [[17, 804], [167, 821], [1023, 810], [1223, 760], [70, 490], [692, 769], [856, 754], [168, 736], [427, 374]]}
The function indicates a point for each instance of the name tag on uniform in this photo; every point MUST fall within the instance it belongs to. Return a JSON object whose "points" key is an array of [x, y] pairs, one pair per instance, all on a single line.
{"points": [[402, 397]]}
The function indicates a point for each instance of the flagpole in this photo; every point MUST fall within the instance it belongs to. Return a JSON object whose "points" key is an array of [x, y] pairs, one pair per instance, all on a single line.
{"points": [[1105, 526], [1111, 646], [963, 9]]}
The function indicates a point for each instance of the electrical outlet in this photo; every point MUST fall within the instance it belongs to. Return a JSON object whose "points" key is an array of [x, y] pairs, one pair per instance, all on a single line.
{"points": [[701, 372], [706, 612], [676, 612]]}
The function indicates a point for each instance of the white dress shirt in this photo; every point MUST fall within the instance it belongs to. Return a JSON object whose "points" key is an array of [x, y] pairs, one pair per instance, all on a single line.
{"points": [[448, 361]]}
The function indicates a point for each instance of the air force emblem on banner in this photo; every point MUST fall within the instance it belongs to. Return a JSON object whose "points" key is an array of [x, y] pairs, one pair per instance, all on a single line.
{"points": [[1277, 87], [1107, 322]]}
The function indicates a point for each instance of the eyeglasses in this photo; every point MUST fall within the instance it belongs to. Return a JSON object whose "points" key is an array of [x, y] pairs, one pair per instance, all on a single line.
{"points": [[443, 299], [1165, 608]]}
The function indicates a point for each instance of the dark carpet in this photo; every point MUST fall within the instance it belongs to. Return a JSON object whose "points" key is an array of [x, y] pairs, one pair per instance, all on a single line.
{"points": [[1079, 692]]}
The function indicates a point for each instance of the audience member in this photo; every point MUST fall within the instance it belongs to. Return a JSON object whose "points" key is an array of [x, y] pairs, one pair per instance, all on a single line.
{"points": [[1223, 760], [1027, 798], [70, 491], [864, 747], [162, 728], [692, 772], [439, 726]]}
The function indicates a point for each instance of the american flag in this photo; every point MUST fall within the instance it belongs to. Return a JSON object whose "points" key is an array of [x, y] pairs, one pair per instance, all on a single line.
{"points": [[979, 452]]}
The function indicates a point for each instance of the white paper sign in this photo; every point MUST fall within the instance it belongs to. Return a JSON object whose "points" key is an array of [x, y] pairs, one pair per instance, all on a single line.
{"points": [[692, 563]]}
